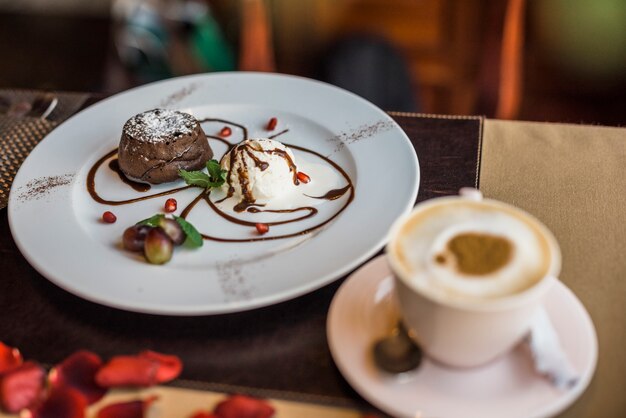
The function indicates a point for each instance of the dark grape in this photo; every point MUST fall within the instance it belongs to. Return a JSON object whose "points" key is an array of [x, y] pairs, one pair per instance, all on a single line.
{"points": [[135, 236], [158, 247], [173, 230]]}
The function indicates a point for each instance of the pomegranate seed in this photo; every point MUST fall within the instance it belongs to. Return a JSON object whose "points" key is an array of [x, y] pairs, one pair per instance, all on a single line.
{"points": [[262, 228], [170, 205], [226, 131], [271, 125], [303, 177], [109, 217]]}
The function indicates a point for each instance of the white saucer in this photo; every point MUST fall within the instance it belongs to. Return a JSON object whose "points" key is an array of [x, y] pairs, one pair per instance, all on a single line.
{"points": [[364, 310]]}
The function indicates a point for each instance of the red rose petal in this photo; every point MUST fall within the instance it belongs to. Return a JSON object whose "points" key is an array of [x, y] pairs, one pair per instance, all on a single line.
{"points": [[131, 409], [203, 414], [10, 357], [78, 371], [123, 371], [240, 406], [61, 402], [169, 366], [21, 387], [145, 369]]}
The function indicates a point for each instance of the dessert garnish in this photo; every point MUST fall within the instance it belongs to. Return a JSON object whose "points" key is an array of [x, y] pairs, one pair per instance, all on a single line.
{"points": [[192, 236], [158, 247], [226, 131], [303, 177], [170, 205], [158, 235], [43, 186], [271, 124], [109, 217], [223, 184], [262, 228], [215, 178]]}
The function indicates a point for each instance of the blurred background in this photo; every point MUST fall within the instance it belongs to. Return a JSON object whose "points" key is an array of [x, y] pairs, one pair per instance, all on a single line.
{"points": [[543, 60]]}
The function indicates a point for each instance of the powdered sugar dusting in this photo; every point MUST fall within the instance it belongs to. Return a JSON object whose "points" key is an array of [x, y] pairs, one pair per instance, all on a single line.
{"points": [[159, 125]]}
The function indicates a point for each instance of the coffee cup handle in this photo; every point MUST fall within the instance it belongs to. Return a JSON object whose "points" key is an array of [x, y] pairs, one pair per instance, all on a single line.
{"points": [[471, 194]]}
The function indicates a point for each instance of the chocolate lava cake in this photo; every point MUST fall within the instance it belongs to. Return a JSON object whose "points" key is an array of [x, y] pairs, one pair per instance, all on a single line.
{"points": [[157, 143]]}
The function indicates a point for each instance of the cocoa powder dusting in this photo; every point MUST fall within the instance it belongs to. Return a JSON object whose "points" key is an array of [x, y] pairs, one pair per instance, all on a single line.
{"points": [[362, 132], [232, 281], [179, 95], [43, 186]]}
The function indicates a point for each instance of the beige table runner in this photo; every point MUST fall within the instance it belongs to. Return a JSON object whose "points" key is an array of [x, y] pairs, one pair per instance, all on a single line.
{"points": [[573, 178]]}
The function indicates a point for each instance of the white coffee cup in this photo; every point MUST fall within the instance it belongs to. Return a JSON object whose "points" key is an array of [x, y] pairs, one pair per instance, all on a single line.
{"points": [[469, 275]]}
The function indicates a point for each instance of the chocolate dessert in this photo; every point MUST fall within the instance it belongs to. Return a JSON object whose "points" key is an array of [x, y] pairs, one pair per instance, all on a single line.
{"points": [[157, 143], [305, 211]]}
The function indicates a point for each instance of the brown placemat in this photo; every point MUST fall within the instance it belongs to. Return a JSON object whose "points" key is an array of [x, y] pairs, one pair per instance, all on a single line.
{"points": [[17, 139], [18, 136], [573, 178], [68, 102], [448, 148]]}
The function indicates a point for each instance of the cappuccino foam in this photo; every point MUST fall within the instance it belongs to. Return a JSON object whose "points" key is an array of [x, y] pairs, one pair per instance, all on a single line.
{"points": [[471, 250]]}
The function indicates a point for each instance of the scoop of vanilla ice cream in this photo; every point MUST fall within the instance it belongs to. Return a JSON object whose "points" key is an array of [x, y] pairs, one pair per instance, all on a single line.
{"points": [[264, 168]]}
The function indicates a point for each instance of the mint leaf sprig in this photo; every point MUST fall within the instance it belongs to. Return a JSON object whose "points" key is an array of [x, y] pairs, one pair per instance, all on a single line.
{"points": [[152, 221], [215, 178], [194, 238]]}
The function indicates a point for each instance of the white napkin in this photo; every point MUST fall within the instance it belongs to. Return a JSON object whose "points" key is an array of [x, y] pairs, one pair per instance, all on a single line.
{"points": [[549, 357]]}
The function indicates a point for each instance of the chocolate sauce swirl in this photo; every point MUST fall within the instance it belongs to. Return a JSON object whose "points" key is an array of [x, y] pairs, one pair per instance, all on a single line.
{"points": [[91, 185], [248, 203], [332, 194], [114, 165]]}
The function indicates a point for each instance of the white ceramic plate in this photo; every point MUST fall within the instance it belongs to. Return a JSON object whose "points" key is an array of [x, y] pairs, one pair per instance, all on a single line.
{"points": [[364, 310], [56, 224]]}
